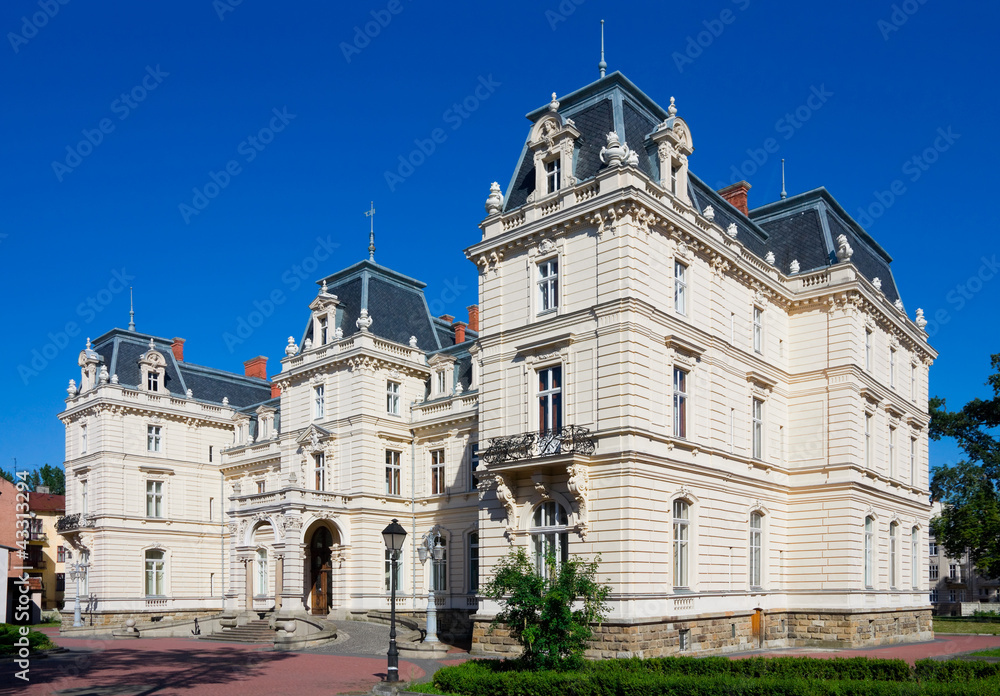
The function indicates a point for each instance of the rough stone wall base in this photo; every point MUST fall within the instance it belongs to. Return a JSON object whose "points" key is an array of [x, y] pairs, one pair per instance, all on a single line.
{"points": [[116, 619], [732, 633]]}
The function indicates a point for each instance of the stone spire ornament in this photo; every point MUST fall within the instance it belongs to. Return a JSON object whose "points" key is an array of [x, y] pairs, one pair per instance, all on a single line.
{"points": [[554, 104], [370, 214], [291, 349], [709, 213], [602, 66], [494, 202], [769, 258], [614, 153], [731, 230], [364, 321], [844, 250], [71, 389], [920, 321], [131, 311], [672, 109], [794, 266]]}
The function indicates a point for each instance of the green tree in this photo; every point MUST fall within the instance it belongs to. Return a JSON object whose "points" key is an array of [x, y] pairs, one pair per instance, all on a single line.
{"points": [[52, 476], [538, 609], [970, 520]]}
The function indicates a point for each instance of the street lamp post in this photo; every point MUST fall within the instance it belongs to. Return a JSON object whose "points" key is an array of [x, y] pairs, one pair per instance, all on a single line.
{"points": [[394, 536], [78, 573], [431, 548]]}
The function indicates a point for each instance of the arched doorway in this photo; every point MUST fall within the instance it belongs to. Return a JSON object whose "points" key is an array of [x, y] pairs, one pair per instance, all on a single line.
{"points": [[320, 575]]}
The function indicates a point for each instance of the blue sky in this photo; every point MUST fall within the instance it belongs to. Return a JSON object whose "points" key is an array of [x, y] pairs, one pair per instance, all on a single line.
{"points": [[133, 152]]}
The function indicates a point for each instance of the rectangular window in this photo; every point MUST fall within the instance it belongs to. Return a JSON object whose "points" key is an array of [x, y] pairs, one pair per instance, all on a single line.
{"points": [[674, 169], [953, 571], [552, 175], [934, 597], [680, 403], [913, 382], [60, 582], [868, 440], [868, 350], [892, 368], [154, 498], [437, 472], [756, 548], [319, 471], [681, 539], [951, 596], [869, 552], [152, 381], [550, 399], [261, 486], [392, 398], [548, 285], [153, 438], [60, 554], [318, 401], [684, 639], [155, 574], [324, 336], [83, 439], [680, 288], [758, 429], [893, 554], [913, 461], [210, 454], [388, 572], [473, 466], [211, 509], [914, 558], [441, 382], [892, 452], [933, 571], [758, 330], [932, 548], [392, 469], [473, 563], [83, 498]]}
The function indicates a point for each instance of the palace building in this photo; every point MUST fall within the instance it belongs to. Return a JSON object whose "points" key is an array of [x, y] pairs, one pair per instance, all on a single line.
{"points": [[728, 405]]}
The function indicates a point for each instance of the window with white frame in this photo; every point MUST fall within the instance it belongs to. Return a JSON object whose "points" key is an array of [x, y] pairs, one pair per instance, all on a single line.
{"points": [[680, 402], [913, 461], [552, 176], [155, 573], [869, 552], [442, 382], [932, 548], [674, 170], [892, 452], [474, 563], [548, 285], [549, 536], [953, 571], [682, 539], [473, 466], [83, 497], [437, 472], [892, 368], [154, 498], [680, 288], [388, 571], [932, 571], [757, 432], [756, 548], [868, 440], [392, 398], [732, 429], [913, 382], [868, 350], [319, 471], [893, 554], [914, 557], [319, 404], [392, 472], [439, 567], [260, 586], [154, 439], [550, 399], [83, 439], [758, 330], [324, 331], [152, 381]]}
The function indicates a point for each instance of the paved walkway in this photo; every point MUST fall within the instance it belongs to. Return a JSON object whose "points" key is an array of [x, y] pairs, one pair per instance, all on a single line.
{"points": [[351, 665]]}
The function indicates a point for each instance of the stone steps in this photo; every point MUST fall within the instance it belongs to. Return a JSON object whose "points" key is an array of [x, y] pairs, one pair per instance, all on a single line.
{"points": [[252, 632]]}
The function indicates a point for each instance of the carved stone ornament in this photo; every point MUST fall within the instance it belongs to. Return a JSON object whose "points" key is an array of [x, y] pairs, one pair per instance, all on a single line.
{"points": [[505, 495], [793, 267], [291, 349], [844, 250], [898, 304], [307, 344], [769, 258], [364, 321], [494, 202], [189, 394], [545, 246], [71, 389], [114, 378], [731, 230], [633, 158], [614, 153], [877, 282], [554, 104], [413, 341], [709, 213], [579, 487], [104, 377], [920, 321], [338, 333]]}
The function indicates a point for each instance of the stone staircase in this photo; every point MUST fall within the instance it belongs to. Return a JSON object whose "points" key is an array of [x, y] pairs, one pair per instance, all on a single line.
{"points": [[253, 632]]}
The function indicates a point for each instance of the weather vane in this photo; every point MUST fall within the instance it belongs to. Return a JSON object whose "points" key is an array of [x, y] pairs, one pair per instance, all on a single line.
{"points": [[370, 214]]}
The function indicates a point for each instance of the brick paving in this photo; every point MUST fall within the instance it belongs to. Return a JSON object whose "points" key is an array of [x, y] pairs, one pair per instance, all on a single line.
{"points": [[351, 665]]}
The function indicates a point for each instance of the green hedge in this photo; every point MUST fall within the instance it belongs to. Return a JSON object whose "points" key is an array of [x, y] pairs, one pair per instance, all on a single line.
{"points": [[10, 634], [715, 676]]}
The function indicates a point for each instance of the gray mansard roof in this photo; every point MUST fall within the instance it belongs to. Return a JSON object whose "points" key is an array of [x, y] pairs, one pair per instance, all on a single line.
{"points": [[803, 228], [121, 350]]}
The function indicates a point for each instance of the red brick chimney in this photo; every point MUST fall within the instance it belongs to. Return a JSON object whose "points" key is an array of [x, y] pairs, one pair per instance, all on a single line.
{"points": [[737, 196], [178, 348], [459, 327], [256, 367], [275, 391], [474, 317], [446, 317]]}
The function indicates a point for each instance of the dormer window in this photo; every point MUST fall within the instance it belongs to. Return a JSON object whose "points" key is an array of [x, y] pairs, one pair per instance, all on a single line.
{"points": [[441, 381], [552, 177], [152, 382], [675, 169], [324, 331]]}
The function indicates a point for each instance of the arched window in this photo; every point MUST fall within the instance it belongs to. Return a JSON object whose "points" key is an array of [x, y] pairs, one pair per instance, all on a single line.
{"points": [[756, 548], [474, 563], [869, 552], [155, 573], [915, 558], [893, 553], [682, 537], [261, 562], [549, 536]]}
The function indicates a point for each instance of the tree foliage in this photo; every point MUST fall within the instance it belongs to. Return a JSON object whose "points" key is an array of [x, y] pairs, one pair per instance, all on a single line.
{"points": [[549, 614], [52, 476], [970, 520]]}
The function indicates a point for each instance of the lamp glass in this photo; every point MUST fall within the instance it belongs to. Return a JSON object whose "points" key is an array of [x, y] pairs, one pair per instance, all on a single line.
{"points": [[394, 536]]}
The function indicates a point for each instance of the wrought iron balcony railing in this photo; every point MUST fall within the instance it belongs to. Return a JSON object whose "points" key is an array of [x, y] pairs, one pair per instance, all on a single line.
{"points": [[572, 439], [75, 521]]}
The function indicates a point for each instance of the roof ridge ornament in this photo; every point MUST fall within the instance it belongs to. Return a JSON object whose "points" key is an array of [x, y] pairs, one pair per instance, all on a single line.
{"points": [[672, 109], [844, 250], [554, 104], [131, 311], [602, 66], [784, 194], [494, 202], [370, 214]]}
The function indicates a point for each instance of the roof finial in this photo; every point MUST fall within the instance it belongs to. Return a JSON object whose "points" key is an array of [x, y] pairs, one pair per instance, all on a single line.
{"points": [[602, 65], [131, 311], [783, 194], [371, 235]]}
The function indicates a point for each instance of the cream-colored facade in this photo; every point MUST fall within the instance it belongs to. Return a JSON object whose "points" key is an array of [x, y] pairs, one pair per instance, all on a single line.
{"points": [[729, 406]]}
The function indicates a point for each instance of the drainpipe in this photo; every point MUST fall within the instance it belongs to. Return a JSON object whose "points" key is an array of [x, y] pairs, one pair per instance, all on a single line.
{"points": [[413, 520], [222, 534]]}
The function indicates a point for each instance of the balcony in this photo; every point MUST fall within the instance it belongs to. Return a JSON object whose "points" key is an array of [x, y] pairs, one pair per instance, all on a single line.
{"points": [[38, 538], [572, 439], [71, 523]]}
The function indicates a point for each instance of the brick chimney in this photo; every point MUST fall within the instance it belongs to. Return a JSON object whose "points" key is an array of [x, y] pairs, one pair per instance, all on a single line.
{"points": [[256, 367], [446, 317], [178, 348], [474, 317], [737, 196], [275, 391], [459, 327]]}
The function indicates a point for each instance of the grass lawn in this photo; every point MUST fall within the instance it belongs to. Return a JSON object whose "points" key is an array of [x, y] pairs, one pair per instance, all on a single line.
{"points": [[959, 625], [992, 652]]}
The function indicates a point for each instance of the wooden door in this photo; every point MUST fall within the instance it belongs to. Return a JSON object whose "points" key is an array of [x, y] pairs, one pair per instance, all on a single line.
{"points": [[321, 591], [321, 571], [757, 626]]}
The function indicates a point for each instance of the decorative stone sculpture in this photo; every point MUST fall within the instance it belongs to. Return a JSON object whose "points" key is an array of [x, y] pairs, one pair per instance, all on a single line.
{"points": [[709, 213], [494, 202], [920, 321], [794, 266], [633, 158], [190, 394], [71, 389], [844, 250], [225, 401], [114, 378], [554, 104], [613, 154], [364, 321], [338, 333], [322, 290], [291, 349], [731, 230], [877, 282], [672, 109], [413, 341], [898, 304], [104, 377], [769, 258], [307, 344]]}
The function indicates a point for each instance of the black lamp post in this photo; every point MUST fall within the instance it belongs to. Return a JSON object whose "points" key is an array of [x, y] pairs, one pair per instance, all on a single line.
{"points": [[394, 536]]}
